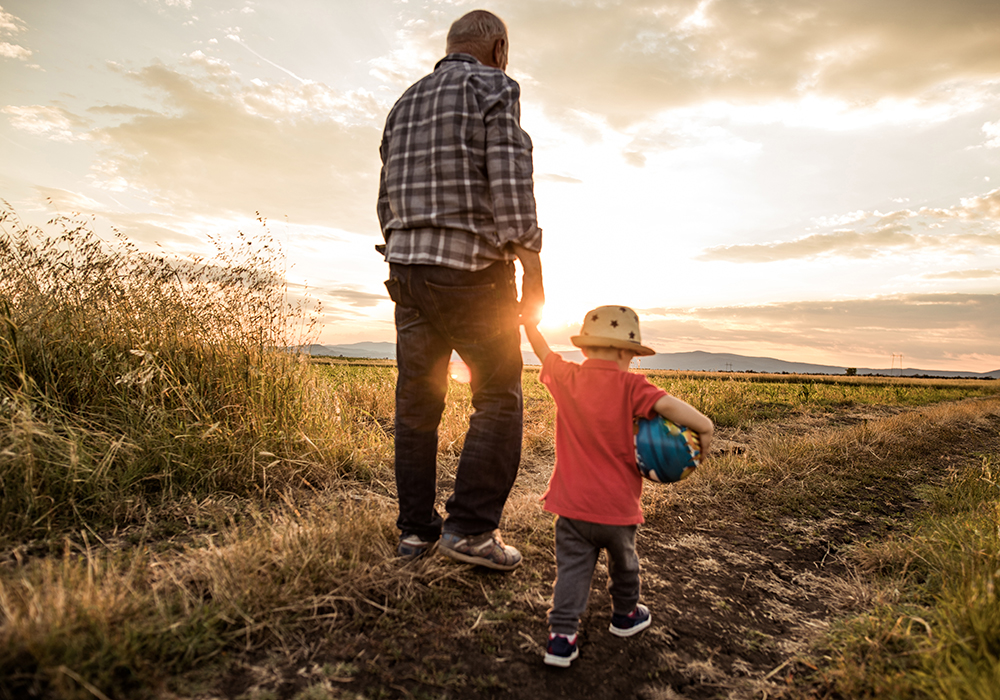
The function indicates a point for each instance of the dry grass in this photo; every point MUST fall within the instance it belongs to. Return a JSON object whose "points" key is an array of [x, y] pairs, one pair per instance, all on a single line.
{"points": [[129, 380], [175, 490]]}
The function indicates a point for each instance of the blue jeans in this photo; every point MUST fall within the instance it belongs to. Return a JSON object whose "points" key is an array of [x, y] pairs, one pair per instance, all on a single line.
{"points": [[438, 310]]}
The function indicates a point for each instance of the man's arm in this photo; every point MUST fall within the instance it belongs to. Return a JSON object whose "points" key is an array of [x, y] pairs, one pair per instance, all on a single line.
{"points": [[683, 413], [532, 289], [538, 344], [509, 170]]}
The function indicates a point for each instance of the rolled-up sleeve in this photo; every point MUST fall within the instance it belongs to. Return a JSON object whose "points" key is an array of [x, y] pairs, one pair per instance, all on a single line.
{"points": [[509, 168]]}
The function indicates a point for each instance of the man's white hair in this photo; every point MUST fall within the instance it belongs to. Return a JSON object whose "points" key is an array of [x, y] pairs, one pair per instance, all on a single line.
{"points": [[476, 31]]}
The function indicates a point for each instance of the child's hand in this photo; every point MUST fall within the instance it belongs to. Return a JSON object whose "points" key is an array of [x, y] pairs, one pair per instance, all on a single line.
{"points": [[538, 344], [683, 413], [705, 443]]}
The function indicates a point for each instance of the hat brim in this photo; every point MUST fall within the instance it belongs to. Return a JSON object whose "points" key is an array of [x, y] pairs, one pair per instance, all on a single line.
{"points": [[596, 341]]}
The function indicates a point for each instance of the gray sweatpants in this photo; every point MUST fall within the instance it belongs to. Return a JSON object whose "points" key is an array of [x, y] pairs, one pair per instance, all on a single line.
{"points": [[578, 545]]}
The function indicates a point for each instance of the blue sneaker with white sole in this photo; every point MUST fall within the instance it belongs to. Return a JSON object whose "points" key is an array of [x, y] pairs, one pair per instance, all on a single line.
{"points": [[561, 650], [633, 623]]}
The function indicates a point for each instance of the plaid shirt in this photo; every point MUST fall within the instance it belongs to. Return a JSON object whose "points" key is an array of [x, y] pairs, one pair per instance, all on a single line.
{"points": [[456, 183]]}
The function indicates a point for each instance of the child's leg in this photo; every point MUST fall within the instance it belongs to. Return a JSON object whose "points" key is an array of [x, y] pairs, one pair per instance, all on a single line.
{"points": [[576, 558], [623, 567]]}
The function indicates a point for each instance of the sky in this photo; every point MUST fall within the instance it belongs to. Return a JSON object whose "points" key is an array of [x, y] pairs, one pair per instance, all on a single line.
{"points": [[807, 180]]}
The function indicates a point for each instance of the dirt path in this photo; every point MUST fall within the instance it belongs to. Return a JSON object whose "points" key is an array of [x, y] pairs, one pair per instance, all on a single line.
{"points": [[736, 602]]}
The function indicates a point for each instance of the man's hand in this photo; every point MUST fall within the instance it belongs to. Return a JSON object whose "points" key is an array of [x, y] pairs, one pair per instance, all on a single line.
{"points": [[532, 289]]}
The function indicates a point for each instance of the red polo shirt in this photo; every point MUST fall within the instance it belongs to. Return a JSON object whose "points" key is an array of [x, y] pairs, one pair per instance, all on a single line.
{"points": [[595, 478]]}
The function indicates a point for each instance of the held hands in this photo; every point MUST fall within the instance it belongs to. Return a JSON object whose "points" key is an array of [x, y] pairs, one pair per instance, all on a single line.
{"points": [[532, 300], [532, 290]]}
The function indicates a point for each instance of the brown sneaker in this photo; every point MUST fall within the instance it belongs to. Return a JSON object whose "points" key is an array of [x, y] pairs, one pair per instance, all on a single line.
{"points": [[486, 550]]}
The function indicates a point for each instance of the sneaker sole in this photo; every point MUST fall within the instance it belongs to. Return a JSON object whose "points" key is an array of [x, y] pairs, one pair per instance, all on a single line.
{"points": [[480, 561], [629, 631], [561, 661]]}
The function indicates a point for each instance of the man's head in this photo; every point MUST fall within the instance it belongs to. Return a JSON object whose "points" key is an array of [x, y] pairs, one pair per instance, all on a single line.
{"points": [[480, 34]]}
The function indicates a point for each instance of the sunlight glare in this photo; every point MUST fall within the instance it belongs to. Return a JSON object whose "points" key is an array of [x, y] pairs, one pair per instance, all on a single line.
{"points": [[459, 371]]}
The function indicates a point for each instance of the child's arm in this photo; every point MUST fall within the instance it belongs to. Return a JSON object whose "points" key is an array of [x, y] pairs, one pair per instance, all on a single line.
{"points": [[683, 413], [538, 344]]}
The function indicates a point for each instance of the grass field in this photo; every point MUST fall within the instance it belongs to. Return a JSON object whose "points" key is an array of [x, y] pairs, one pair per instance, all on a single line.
{"points": [[188, 513]]}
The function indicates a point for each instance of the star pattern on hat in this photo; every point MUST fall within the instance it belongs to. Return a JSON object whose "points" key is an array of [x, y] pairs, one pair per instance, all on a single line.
{"points": [[612, 326]]}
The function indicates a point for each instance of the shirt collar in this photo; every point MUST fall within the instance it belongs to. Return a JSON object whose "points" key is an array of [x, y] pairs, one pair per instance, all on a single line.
{"points": [[591, 363], [462, 57]]}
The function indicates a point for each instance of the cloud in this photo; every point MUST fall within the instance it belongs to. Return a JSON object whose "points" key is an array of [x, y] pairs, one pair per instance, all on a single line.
{"points": [[552, 177], [121, 111], [983, 207], [65, 201], [9, 24], [992, 131], [415, 49], [14, 51], [842, 220], [185, 4], [148, 229], [886, 234], [222, 146], [355, 297], [963, 275], [53, 122], [933, 331], [626, 60]]}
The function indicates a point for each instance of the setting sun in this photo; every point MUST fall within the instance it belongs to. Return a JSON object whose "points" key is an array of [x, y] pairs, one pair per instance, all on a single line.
{"points": [[830, 196]]}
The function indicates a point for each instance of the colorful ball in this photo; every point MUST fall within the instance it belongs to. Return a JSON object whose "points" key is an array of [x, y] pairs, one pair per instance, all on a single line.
{"points": [[665, 452]]}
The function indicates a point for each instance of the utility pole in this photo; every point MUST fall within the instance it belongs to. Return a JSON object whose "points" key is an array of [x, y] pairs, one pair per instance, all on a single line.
{"points": [[893, 365]]}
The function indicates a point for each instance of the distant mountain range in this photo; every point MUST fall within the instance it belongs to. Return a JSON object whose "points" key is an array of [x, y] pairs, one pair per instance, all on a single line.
{"points": [[685, 361]]}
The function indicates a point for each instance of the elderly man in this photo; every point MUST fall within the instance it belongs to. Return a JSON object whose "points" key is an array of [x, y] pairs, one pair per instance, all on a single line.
{"points": [[456, 207]]}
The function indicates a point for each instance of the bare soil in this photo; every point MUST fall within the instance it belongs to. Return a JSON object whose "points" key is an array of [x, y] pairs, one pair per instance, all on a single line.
{"points": [[737, 599]]}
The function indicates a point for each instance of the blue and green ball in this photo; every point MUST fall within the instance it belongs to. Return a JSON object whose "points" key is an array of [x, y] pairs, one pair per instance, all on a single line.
{"points": [[665, 452]]}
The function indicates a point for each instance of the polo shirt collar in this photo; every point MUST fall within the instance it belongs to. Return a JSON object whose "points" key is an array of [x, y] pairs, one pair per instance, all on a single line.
{"points": [[590, 363]]}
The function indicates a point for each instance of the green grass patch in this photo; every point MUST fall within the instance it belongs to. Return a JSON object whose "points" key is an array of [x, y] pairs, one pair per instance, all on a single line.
{"points": [[936, 633], [743, 400]]}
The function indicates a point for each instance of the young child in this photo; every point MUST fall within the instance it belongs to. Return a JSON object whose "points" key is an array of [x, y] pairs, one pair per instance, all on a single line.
{"points": [[595, 487]]}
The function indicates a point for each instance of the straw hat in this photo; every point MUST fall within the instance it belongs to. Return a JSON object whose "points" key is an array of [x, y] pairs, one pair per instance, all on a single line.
{"points": [[611, 327]]}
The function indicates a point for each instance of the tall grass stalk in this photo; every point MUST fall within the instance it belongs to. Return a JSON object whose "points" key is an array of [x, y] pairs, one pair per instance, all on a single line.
{"points": [[128, 379]]}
